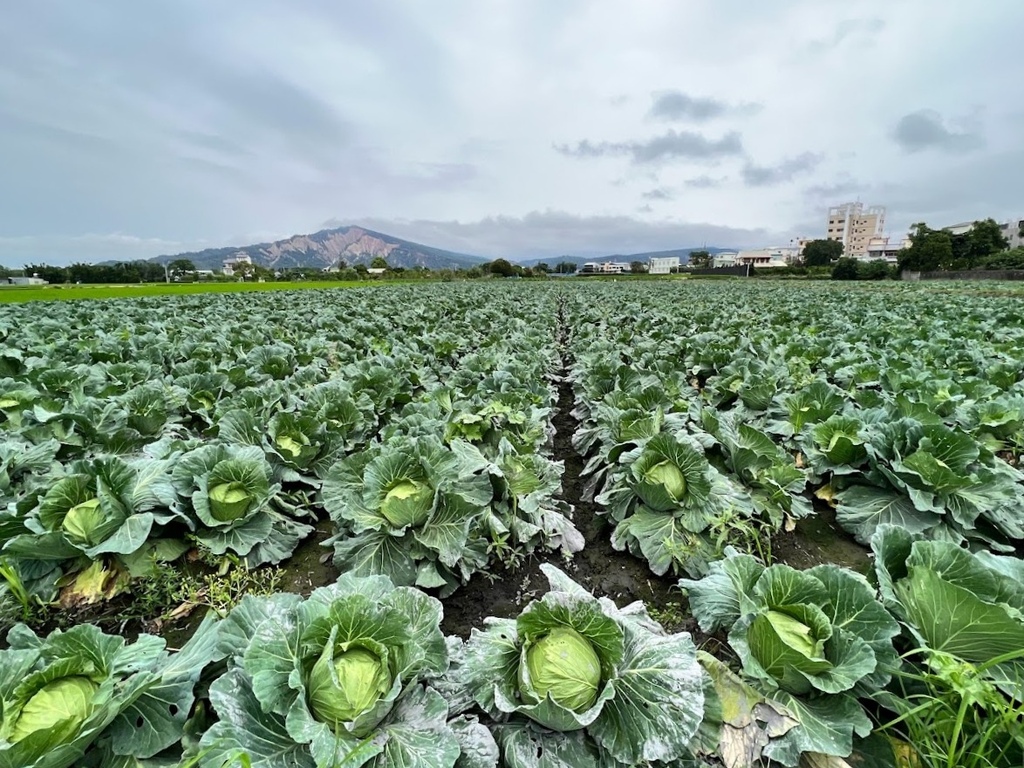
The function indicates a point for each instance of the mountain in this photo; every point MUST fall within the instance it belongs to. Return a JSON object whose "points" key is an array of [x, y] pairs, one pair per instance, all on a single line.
{"points": [[353, 245], [682, 253]]}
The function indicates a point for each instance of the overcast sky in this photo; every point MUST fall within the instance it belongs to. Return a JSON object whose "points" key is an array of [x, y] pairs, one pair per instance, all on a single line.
{"points": [[514, 128]]}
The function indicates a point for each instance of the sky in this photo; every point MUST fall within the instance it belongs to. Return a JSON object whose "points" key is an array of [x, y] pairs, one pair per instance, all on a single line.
{"points": [[502, 128]]}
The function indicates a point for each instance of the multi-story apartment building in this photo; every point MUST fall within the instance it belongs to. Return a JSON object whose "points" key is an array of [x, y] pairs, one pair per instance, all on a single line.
{"points": [[1013, 231], [854, 226]]}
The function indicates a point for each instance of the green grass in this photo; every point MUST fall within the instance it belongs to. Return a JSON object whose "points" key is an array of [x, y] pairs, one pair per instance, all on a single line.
{"points": [[134, 290]]}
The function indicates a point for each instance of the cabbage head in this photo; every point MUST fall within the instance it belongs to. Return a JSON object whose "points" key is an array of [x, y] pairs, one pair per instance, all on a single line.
{"points": [[667, 474], [344, 686], [83, 522], [408, 504], [229, 501], [226, 491], [577, 677], [65, 702], [68, 697], [295, 447], [813, 641], [343, 677], [564, 666]]}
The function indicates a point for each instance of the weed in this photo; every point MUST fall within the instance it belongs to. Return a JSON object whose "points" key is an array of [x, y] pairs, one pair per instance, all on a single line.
{"points": [[952, 713], [670, 615]]}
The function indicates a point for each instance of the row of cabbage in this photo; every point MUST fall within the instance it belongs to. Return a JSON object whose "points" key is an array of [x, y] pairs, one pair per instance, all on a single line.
{"points": [[712, 408], [135, 431], [359, 673]]}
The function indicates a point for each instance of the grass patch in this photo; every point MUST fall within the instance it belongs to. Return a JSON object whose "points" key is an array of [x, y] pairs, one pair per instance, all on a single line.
{"points": [[18, 294]]}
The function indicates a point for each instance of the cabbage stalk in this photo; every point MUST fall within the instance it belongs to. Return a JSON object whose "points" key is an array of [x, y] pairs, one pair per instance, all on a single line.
{"points": [[407, 504], [362, 678], [667, 474], [564, 666], [82, 521], [67, 700], [229, 501]]}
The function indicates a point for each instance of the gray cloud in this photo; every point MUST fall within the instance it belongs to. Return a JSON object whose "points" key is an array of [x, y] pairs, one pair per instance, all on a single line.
{"points": [[773, 175], [673, 145], [705, 182], [659, 193], [549, 234], [853, 30], [676, 105], [925, 129], [833, 190]]}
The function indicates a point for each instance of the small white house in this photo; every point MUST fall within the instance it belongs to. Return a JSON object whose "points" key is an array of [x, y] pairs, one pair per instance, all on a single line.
{"points": [[604, 268], [663, 266], [375, 270], [233, 262], [724, 259], [26, 281]]}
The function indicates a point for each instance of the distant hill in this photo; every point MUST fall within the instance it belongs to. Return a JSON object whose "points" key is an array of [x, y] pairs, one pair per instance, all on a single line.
{"points": [[353, 245], [682, 253]]}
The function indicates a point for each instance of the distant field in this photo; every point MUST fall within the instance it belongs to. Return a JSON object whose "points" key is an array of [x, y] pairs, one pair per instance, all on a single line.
{"points": [[65, 292]]}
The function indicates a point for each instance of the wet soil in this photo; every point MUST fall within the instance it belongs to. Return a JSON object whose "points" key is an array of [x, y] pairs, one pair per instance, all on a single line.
{"points": [[598, 567]]}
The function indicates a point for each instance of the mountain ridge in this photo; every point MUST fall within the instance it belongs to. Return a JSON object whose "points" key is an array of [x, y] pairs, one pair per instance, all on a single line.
{"points": [[328, 247], [354, 245]]}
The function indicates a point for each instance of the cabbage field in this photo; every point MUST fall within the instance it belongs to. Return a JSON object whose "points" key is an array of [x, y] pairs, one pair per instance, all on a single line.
{"points": [[558, 524]]}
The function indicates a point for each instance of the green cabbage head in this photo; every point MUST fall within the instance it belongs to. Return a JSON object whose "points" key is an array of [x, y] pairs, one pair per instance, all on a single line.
{"points": [[229, 501], [408, 503], [67, 701], [295, 447], [564, 666], [667, 474], [362, 679], [83, 521]]}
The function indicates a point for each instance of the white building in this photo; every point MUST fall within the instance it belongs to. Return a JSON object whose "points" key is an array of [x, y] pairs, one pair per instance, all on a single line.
{"points": [[853, 226], [233, 262], [604, 268], [767, 257], [663, 266], [883, 248], [26, 281], [724, 259]]}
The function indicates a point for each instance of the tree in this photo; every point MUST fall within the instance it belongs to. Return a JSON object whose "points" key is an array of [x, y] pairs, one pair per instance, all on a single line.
{"points": [[180, 267], [542, 267], [877, 269], [929, 250], [379, 262], [700, 259], [985, 238], [502, 267], [821, 253], [637, 267], [845, 269], [566, 268]]}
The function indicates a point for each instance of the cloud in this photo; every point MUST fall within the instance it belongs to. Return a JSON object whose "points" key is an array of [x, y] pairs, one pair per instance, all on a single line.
{"points": [[15, 252], [554, 233], [852, 30], [676, 105], [673, 145], [773, 175], [659, 193], [833, 190], [704, 182], [925, 129]]}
